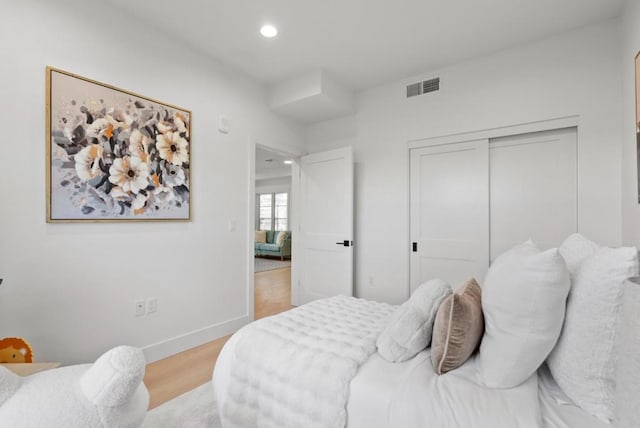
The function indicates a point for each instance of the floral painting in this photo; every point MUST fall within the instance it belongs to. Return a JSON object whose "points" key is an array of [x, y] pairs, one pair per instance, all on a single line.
{"points": [[114, 155]]}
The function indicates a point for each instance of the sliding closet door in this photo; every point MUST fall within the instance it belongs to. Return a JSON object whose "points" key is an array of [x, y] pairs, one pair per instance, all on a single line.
{"points": [[449, 212], [533, 189]]}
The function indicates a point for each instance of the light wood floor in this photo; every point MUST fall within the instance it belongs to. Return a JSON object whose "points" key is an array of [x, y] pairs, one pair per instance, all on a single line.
{"points": [[272, 292], [175, 375]]}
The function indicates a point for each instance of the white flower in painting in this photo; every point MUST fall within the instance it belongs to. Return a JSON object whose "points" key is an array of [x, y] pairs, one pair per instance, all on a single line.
{"points": [[119, 118], [105, 126], [138, 205], [129, 173], [139, 144], [173, 148], [164, 194], [100, 127], [118, 194], [177, 124], [88, 162], [180, 121], [173, 176], [71, 125], [165, 127]]}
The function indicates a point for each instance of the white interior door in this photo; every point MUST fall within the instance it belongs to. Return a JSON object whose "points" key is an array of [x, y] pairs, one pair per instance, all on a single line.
{"points": [[326, 224], [450, 212], [533, 185]]}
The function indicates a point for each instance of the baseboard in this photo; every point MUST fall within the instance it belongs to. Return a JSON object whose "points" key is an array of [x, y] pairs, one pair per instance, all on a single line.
{"points": [[174, 345]]}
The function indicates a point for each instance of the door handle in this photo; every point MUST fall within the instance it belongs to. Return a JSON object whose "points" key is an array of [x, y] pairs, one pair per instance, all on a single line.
{"points": [[345, 243]]}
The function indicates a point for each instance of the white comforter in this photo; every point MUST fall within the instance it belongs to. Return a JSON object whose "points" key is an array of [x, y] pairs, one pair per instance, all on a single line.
{"points": [[382, 394], [412, 395], [294, 369]]}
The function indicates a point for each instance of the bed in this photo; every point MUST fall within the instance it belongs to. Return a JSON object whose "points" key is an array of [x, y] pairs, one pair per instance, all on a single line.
{"points": [[382, 394], [389, 395]]}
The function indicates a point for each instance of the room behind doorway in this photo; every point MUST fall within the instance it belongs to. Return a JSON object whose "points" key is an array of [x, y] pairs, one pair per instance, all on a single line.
{"points": [[272, 256]]}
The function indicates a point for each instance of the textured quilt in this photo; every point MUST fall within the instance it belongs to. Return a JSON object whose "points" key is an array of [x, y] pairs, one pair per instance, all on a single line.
{"points": [[294, 369]]}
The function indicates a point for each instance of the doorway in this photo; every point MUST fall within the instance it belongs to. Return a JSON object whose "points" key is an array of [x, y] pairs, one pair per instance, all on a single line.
{"points": [[272, 219]]}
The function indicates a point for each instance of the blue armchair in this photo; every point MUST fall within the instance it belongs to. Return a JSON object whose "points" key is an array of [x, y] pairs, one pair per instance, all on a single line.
{"points": [[271, 247]]}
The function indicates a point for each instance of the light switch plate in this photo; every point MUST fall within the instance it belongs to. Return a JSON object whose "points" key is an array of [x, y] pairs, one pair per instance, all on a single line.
{"points": [[223, 124], [152, 305]]}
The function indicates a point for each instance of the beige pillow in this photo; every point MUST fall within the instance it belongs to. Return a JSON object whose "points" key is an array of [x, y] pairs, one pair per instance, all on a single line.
{"points": [[458, 328], [261, 236], [281, 237]]}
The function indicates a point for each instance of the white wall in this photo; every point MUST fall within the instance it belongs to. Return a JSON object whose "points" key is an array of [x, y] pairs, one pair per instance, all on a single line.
{"points": [[630, 16], [576, 73], [273, 185], [70, 288]]}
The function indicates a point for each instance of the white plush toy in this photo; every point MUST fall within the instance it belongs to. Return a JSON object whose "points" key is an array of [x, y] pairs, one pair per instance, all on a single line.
{"points": [[107, 394]]}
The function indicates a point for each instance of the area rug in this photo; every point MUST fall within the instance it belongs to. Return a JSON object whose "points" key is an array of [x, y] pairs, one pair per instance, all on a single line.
{"points": [[194, 409], [262, 264]]}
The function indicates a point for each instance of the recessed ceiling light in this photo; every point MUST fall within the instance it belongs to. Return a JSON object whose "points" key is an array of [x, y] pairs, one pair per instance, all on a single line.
{"points": [[288, 162], [269, 31]]}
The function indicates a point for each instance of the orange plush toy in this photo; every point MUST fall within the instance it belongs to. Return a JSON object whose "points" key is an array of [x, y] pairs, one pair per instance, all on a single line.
{"points": [[15, 350]]}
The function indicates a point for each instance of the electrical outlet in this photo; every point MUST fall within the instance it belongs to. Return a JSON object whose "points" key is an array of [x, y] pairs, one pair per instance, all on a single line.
{"points": [[152, 305], [140, 308]]}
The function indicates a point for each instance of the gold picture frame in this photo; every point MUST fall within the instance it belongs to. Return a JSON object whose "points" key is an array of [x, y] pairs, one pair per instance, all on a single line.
{"points": [[114, 155]]}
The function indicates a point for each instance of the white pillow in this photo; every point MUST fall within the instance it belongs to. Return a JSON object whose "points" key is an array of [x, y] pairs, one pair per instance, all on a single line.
{"points": [[628, 369], [523, 300], [575, 249], [583, 362], [410, 326]]}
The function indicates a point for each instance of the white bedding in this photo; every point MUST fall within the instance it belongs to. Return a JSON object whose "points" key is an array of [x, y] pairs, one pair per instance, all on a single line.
{"points": [[294, 369], [557, 409], [410, 394]]}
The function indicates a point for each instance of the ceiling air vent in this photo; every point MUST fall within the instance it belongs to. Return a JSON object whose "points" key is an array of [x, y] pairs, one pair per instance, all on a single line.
{"points": [[431, 85], [420, 88], [414, 89]]}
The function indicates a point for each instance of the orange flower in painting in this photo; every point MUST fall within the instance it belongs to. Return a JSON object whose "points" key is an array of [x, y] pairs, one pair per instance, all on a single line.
{"points": [[109, 131]]}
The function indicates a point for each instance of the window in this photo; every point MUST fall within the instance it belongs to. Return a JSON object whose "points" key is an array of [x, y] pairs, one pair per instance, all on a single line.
{"points": [[273, 211], [266, 211], [281, 217]]}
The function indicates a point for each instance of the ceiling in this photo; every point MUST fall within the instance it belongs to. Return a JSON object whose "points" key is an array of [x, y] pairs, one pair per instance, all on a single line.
{"points": [[330, 49], [270, 164], [361, 43]]}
